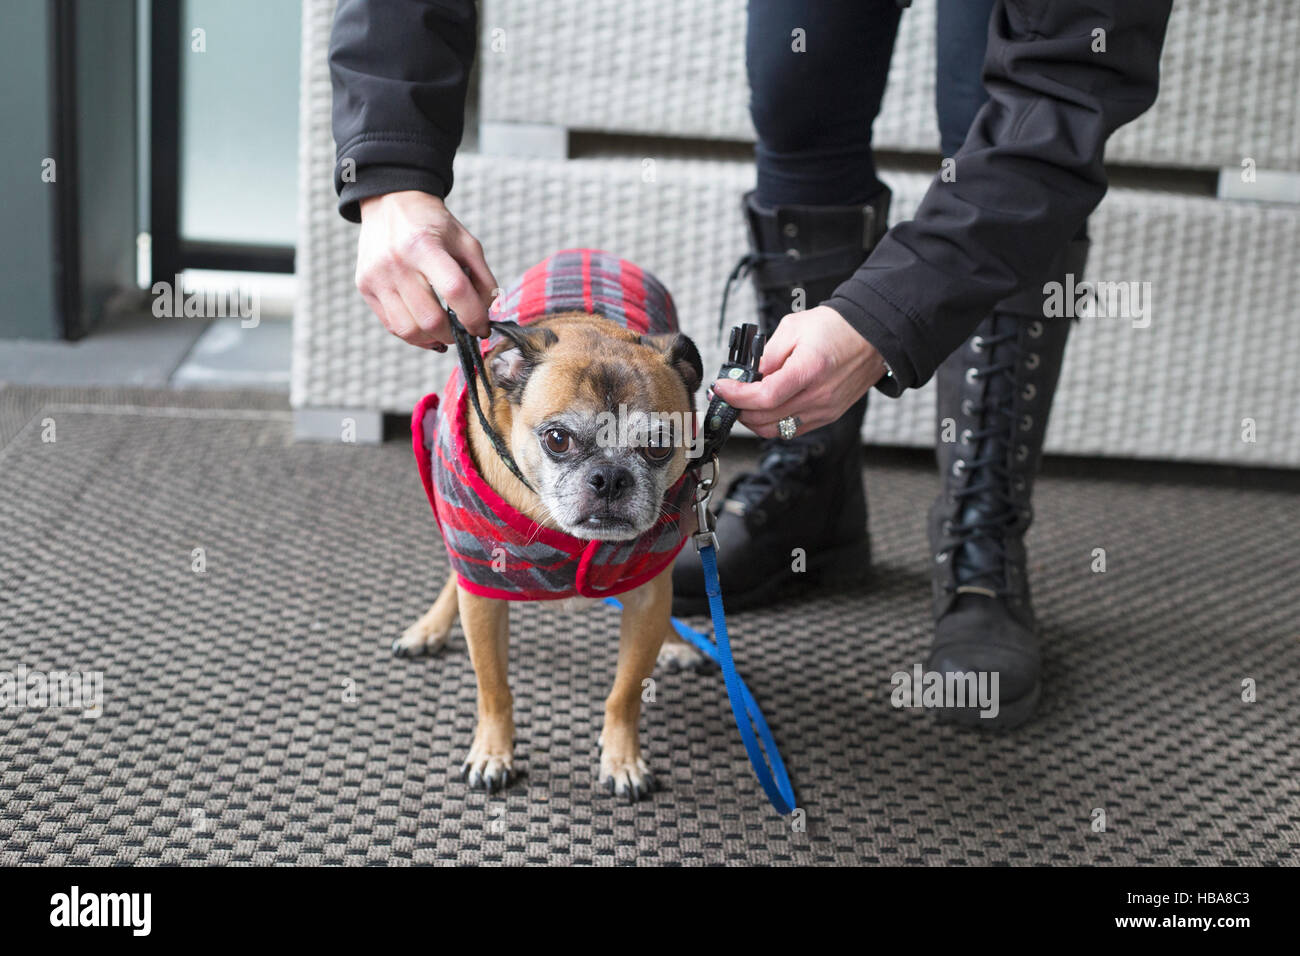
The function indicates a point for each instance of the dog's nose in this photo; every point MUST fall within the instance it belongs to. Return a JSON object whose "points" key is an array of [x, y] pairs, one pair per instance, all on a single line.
{"points": [[609, 481]]}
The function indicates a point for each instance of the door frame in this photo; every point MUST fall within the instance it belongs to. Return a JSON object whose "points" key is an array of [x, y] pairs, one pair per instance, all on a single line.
{"points": [[170, 252]]}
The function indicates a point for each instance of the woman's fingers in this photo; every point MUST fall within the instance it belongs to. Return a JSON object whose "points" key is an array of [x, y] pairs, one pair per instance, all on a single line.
{"points": [[782, 392], [809, 416], [468, 251], [815, 367], [397, 317], [772, 392], [452, 283], [423, 307]]}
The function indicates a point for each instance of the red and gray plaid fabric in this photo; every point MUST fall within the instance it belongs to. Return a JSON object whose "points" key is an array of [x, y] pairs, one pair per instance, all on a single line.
{"points": [[495, 550]]}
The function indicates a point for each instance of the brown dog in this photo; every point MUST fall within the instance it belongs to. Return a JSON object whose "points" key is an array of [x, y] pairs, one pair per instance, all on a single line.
{"points": [[554, 385]]}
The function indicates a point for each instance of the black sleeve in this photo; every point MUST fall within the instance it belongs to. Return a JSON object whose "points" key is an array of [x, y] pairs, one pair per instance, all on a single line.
{"points": [[400, 70], [1027, 176]]}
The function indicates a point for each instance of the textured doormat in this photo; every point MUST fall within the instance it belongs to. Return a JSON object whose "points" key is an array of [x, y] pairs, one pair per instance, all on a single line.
{"points": [[252, 711]]}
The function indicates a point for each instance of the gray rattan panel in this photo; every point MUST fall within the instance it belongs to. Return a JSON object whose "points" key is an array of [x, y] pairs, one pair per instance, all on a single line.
{"points": [[676, 67]]}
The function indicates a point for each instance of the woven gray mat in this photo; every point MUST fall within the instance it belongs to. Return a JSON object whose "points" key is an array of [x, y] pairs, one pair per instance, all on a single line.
{"points": [[254, 714]]}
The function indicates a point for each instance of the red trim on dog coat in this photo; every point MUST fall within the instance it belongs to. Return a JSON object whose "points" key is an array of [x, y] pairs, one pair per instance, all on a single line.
{"points": [[494, 549]]}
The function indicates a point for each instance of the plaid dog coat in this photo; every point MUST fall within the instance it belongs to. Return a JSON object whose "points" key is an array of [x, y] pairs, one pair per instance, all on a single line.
{"points": [[495, 550]]}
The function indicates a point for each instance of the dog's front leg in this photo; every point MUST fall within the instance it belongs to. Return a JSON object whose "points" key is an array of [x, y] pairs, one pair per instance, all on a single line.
{"points": [[645, 622], [487, 632]]}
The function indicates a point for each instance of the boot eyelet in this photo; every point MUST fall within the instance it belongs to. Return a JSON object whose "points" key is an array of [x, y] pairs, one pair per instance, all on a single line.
{"points": [[1035, 330], [1026, 516], [968, 408], [947, 529], [1022, 453], [941, 557], [1030, 390], [972, 376], [958, 468], [1019, 484], [1031, 361], [1026, 423], [790, 229], [967, 436], [792, 253], [977, 343]]}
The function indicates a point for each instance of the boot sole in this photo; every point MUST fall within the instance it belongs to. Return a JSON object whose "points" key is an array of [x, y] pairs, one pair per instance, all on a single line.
{"points": [[844, 565], [1011, 714]]}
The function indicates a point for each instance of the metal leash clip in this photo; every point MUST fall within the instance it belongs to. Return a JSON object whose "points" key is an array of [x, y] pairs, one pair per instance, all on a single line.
{"points": [[704, 536]]}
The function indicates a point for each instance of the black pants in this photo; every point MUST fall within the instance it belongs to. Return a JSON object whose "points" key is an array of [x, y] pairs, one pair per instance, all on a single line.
{"points": [[817, 72]]}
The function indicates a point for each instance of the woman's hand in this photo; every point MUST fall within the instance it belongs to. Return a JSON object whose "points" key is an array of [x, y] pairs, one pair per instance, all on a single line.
{"points": [[814, 368], [410, 245]]}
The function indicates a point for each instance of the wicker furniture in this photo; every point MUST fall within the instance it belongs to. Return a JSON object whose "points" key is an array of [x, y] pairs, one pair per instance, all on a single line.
{"points": [[676, 68], [1177, 389]]}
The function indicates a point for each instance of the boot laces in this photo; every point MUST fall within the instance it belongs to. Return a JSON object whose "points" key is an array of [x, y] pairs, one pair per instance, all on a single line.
{"points": [[745, 265], [990, 477]]}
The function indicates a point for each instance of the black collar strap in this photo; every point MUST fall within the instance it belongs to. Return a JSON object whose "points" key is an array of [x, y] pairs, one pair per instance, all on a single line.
{"points": [[744, 350], [472, 369]]}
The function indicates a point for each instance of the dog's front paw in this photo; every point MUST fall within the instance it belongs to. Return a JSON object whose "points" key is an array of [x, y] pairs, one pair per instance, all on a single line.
{"points": [[490, 772], [419, 639], [490, 764], [627, 777]]}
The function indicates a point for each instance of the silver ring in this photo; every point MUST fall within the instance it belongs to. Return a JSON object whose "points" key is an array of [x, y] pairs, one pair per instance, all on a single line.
{"points": [[788, 426]]}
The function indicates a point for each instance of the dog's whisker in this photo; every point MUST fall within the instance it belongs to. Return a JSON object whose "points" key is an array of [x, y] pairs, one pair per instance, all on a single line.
{"points": [[538, 519]]}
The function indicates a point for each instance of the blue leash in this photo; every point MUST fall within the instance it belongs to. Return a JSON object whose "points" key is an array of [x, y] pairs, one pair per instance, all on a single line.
{"points": [[774, 779]]}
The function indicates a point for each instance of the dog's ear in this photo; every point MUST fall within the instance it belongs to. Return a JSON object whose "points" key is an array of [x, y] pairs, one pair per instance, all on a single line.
{"points": [[681, 354], [513, 360]]}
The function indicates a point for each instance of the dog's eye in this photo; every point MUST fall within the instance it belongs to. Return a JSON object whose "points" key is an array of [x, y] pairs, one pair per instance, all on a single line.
{"points": [[660, 449], [558, 441]]}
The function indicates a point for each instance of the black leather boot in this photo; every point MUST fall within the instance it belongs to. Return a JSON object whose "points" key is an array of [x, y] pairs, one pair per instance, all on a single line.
{"points": [[995, 393], [807, 492]]}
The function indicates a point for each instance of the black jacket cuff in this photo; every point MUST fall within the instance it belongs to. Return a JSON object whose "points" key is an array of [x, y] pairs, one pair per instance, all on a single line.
{"points": [[892, 332], [355, 180]]}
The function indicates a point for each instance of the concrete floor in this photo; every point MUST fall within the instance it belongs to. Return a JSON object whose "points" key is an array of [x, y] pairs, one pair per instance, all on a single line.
{"points": [[141, 350]]}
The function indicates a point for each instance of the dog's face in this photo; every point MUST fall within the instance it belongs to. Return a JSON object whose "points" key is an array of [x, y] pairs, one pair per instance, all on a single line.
{"points": [[599, 418]]}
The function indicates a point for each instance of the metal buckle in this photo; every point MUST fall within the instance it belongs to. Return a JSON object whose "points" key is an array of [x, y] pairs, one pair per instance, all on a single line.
{"points": [[704, 535]]}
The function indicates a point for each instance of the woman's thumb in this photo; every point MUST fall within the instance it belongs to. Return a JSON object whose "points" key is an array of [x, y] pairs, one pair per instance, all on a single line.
{"points": [[778, 349]]}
